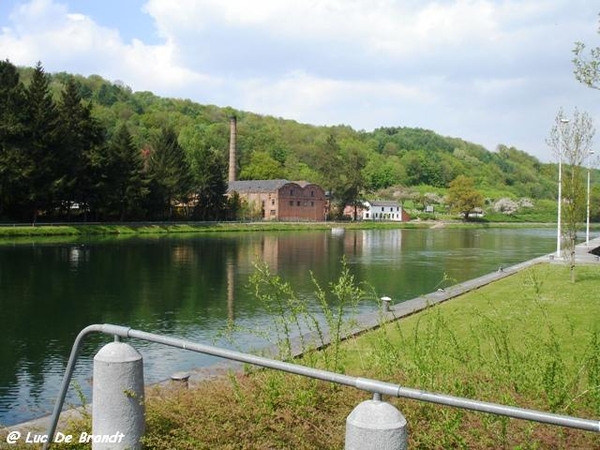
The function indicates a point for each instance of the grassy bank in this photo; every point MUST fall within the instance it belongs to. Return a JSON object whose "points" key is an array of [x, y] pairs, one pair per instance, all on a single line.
{"points": [[530, 340], [69, 231], [172, 228]]}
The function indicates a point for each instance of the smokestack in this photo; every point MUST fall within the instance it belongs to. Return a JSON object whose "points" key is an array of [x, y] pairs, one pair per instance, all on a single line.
{"points": [[232, 148]]}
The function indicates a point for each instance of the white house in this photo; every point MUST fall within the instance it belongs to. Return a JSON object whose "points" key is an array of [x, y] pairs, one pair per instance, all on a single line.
{"points": [[384, 210]]}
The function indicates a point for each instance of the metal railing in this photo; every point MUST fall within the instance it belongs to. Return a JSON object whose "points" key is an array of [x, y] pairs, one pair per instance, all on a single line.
{"points": [[378, 388]]}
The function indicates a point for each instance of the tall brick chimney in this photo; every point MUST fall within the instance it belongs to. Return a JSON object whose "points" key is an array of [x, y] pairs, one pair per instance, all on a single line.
{"points": [[232, 148]]}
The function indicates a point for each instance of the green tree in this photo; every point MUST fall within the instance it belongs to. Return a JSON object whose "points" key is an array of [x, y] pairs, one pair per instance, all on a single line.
{"points": [[204, 146], [80, 137], [262, 167], [423, 168], [381, 172], [349, 179], [12, 130], [463, 197], [126, 185], [40, 162], [587, 64], [169, 173], [571, 142], [325, 159], [209, 186]]}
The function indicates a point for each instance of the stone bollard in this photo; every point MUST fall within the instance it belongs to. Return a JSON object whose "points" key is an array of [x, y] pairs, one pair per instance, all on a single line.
{"points": [[117, 398], [180, 379], [376, 425], [385, 304]]}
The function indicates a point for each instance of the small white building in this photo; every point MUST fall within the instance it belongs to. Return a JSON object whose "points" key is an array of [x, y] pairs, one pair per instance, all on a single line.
{"points": [[388, 210]]}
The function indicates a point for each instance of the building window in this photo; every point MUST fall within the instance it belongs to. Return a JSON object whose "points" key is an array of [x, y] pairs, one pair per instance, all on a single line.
{"points": [[312, 193], [298, 203], [291, 192], [291, 202], [273, 202], [273, 213], [312, 203]]}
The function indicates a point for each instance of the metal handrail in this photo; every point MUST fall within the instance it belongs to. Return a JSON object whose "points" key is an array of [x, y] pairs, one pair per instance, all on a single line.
{"points": [[374, 386]]}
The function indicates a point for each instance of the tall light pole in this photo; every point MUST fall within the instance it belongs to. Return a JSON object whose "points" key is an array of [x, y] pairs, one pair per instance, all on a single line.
{"points": [[558, 225], [587, 220]]}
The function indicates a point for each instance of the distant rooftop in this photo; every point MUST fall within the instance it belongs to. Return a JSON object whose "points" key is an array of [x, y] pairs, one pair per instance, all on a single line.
{"points": [[382, 202], [261, 185]]}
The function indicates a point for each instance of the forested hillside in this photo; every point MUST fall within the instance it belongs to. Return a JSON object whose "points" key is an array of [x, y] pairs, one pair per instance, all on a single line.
{"points": [[86, 148]]}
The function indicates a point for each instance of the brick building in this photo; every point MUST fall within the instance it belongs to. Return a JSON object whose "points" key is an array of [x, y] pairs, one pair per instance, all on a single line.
{"points": [[282, 199]]}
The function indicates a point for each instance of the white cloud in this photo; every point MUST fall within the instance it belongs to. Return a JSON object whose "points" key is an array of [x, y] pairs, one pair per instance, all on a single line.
{"points": [[490, 71], [63, 40], [308, 98]]}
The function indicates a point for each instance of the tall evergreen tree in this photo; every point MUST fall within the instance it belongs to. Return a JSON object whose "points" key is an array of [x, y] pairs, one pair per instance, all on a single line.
{"points": [[169, 172], [208, 169], [81, 136], [40, 158], [12, 129], [126, 184]]}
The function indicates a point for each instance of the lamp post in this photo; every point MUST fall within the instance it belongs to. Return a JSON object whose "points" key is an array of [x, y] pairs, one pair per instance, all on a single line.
{"points": [[558, 225], [587, 220]]}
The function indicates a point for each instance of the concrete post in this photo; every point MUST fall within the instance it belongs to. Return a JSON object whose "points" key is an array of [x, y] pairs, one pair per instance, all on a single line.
{"points": [[117, 398], [385, 304], [180, 379], [376, 425]]}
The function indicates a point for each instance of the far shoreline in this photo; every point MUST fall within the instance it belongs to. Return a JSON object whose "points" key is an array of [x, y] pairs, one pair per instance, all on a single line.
{"points": [[14, 233]]}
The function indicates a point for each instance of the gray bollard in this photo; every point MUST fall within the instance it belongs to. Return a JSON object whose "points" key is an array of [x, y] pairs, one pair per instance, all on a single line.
{"points": [[376, 425], [117, 398], [385, 304], [180, 379]]}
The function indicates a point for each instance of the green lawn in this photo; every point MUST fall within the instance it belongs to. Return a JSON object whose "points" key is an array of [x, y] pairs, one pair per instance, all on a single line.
{"points": [[529, 340]]}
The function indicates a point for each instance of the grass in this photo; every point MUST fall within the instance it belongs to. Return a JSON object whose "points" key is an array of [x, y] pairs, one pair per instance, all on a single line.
{"points": [[27, 231], [18, 233], [530, 340]]}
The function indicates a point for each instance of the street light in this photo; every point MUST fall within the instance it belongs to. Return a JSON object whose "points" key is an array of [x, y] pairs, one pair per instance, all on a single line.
{"points": [[558, 234], [587, 223]]}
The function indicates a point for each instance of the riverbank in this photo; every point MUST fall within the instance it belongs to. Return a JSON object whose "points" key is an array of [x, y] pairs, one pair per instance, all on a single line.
{"points": [[10, 231]]}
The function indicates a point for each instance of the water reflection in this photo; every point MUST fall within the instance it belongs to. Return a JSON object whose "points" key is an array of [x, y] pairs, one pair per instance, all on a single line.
{"points": [[194, 286]]}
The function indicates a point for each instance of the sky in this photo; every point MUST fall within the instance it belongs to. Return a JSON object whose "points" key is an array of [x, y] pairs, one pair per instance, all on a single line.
{"points": [[488, 71]]}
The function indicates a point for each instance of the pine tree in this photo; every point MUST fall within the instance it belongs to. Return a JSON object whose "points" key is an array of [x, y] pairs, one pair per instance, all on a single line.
{"points": [[40, 156], [12, 130], [127, 182], [81, 136], [208, 169], [169, 172]]}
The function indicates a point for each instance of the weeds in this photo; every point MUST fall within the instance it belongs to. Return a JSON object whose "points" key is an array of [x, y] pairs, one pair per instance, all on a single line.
{"points": [[297, 330]]}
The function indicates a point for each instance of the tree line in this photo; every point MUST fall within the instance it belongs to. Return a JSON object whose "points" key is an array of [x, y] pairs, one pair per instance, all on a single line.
{"points": [[84, 148], [59, 160]]}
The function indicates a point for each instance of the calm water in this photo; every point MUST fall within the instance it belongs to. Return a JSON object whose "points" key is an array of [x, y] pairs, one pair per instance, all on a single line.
{"points": [[191, 286]]}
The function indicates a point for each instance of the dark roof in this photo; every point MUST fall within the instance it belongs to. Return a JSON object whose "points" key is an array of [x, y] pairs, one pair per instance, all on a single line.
{"points": [[382, 203], [256, 185]]}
